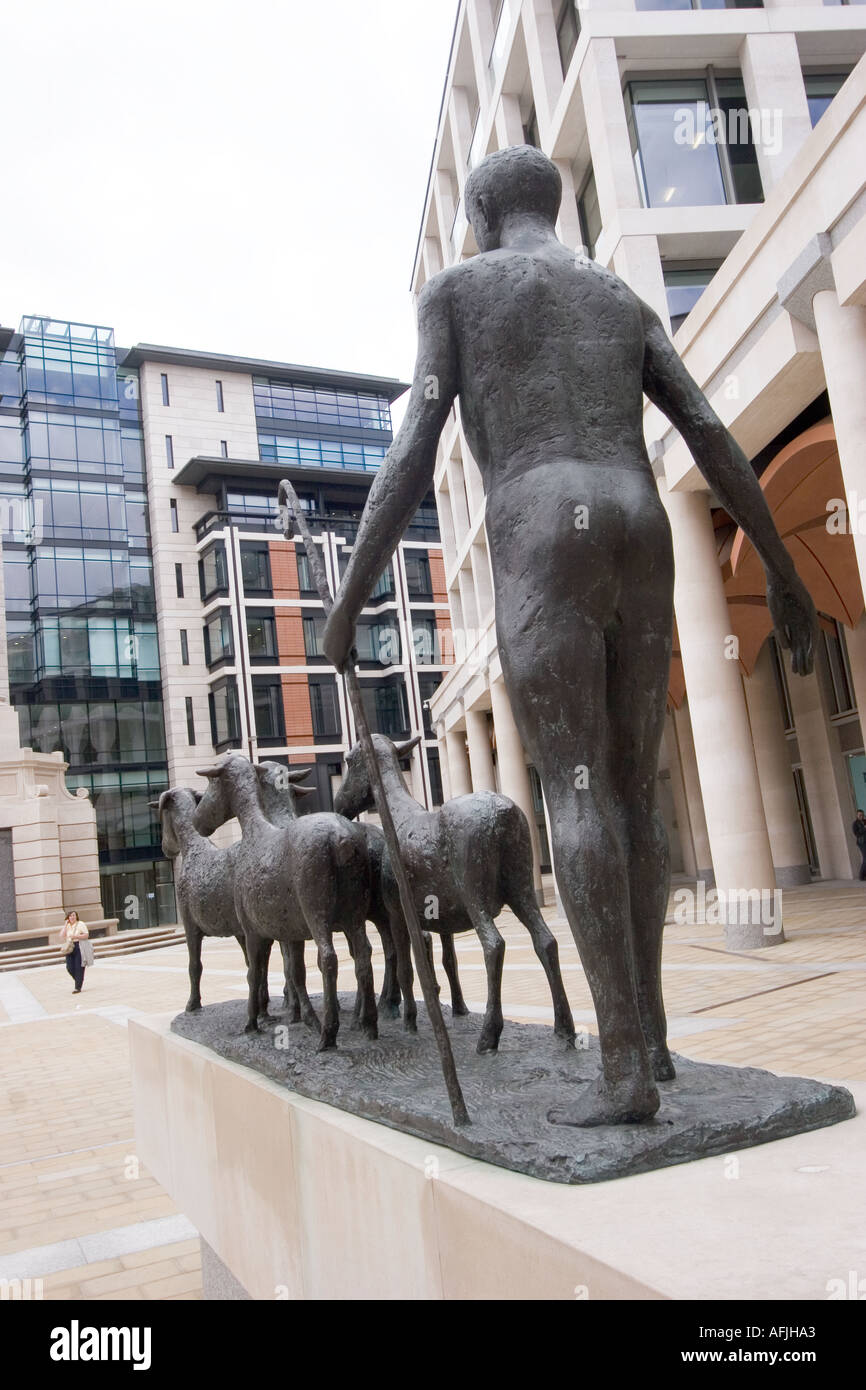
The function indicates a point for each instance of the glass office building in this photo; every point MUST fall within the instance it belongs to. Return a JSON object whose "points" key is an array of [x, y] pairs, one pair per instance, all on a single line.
{"points": [[84, 667]]}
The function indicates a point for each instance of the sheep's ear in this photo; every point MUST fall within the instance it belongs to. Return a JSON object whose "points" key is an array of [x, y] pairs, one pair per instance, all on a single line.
{"points": [[198, 795], [154, 804], [403, 749], [215, 771], [297, 774]]}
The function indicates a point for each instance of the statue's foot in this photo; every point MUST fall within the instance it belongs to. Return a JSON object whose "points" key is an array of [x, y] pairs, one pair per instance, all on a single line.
{"points": [[410, 1023], [252, 1027], [388, 1010], [662, 1064], [371, 1031], [489, 1039], [565, 1030], [459, 1008], [193, 1006], [327, 1043], [630, 1103]]}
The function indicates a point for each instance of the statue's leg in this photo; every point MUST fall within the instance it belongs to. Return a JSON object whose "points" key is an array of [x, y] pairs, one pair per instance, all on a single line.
{"points": [[405, 973], [493, 947], [327, 958], [290, 994], [366, 994], [264, 990], [389, 999], [557, 686], [299, 980], [258, 952], [642, 653], [520, 897], [193, 946], [459, 1006]]}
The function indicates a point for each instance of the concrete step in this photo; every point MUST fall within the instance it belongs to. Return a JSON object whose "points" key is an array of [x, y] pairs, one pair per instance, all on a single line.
{"points": [[105, 948]]}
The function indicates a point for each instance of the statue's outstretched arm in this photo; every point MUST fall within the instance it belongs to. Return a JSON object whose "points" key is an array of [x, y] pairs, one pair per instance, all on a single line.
{"points": [[406, 473], [733, 481]]}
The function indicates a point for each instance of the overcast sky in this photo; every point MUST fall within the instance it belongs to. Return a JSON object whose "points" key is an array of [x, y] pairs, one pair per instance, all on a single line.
{"points": [[245, 177]]}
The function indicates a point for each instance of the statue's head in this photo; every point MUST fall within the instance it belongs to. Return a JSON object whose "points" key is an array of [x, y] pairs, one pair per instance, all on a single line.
{"points": [[519, 179]]}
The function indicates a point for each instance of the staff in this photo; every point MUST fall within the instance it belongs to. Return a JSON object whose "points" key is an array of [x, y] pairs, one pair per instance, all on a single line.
{"points": [[291, 512]]}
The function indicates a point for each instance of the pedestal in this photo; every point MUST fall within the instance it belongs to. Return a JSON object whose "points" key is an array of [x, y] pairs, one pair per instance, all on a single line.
{"points": [[298, 1200]]}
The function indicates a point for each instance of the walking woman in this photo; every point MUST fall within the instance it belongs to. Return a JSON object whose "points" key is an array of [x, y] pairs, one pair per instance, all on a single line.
{"points": [[72, 933]]}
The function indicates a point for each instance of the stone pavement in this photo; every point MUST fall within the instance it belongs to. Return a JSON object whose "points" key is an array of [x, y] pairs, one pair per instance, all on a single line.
{"points": [[79, 1212]]}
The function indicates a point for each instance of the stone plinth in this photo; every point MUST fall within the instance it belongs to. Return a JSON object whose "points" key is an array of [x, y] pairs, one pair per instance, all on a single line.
{"points": [[302, 1201]]}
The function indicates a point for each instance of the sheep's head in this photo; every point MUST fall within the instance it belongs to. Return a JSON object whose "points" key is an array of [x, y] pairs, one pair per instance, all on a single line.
{"points": [[279, 791], [356, 793], [176, 805], [224, 780]]}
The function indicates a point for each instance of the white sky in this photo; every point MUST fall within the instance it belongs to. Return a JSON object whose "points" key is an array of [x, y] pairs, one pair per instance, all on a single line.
{"points": [[244, 176]]}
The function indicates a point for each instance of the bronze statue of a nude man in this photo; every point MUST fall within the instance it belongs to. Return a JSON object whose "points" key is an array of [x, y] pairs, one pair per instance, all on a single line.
{"points": [[551, 355]]}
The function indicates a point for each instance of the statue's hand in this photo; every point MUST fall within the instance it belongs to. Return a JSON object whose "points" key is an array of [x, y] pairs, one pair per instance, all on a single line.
{"points": [[338, 638], [794, 618]]}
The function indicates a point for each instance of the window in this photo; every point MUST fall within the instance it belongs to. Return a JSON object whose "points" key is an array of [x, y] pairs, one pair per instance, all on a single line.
{"points": [[173, 506], [378, 642], [219, 397], [224, 448], [224, 714], [684, 286], [782, 686], [428, 684], [820, 91], [165, 397], [268, 709], [213, 573], [387, 708], [184, 647], [589, 214], [178, 579], [567, 32], [841, 683], [435, 776], [256, 569], [313, 632], [74, 443], [218, 640], [700, 4], [306, 583], [190, 722], [97, 647], [101, 732], [320, 405], [692, 143], [418, 580], [325, 709], [320, 453], [425, 640], [169, 451], [69, 363], [261, 635]]}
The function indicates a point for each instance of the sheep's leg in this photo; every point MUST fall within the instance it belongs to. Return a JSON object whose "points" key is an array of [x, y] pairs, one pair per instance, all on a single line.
{"points": [[359, 945], [299, 980], [264, 991], [193, 945], [522, 903], [258, 951], [242, 942], [459, 1006], [389, 999], [328, 968], [493, 947], [428, 951], [405, 975], [290, 994]]}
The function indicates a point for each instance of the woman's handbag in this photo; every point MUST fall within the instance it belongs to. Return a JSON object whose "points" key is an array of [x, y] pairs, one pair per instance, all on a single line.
{"points": [[87, 956], [69, 947]]}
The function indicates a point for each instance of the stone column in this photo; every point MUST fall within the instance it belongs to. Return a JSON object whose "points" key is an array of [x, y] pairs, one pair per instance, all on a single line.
{"points": [[773, 79], [773, 756], [823, 775], [444, 770], [458, 763], [842, 339], [731, 791], [607, 130], [480, 751], [513, 773], [681, 808], [694, 799]]}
